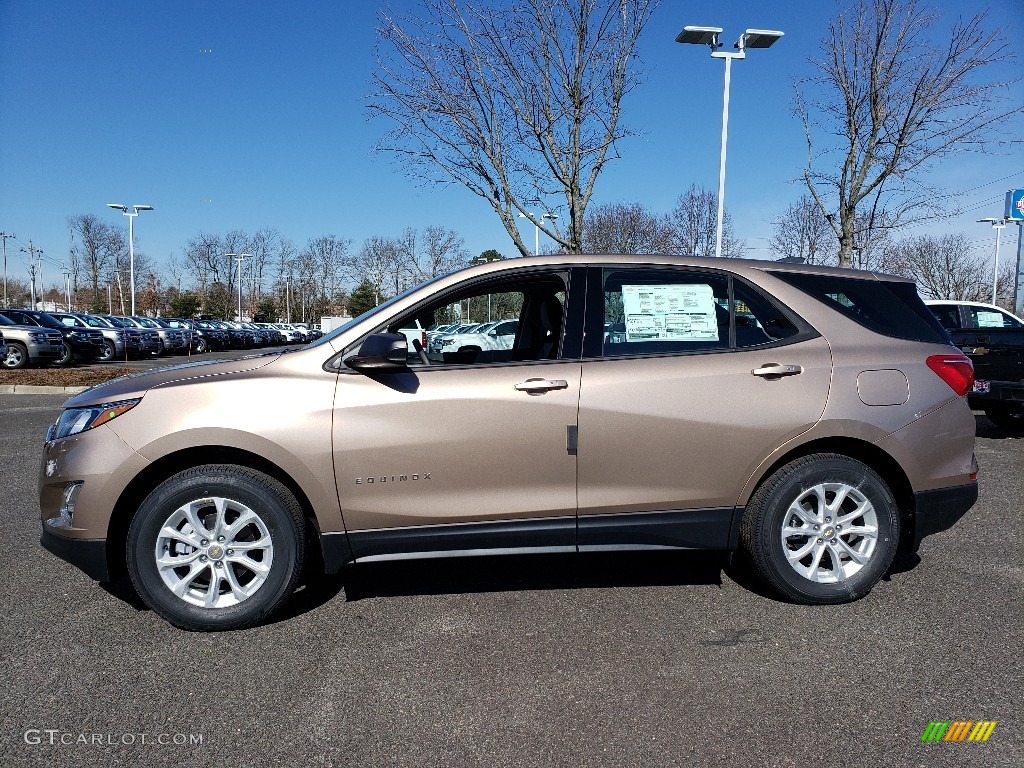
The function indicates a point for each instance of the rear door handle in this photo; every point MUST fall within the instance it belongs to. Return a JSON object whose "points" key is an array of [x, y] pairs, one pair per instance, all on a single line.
{"points": [[771, 370], [539, 386]]}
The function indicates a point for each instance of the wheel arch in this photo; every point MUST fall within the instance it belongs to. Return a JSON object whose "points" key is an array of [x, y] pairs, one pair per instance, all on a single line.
{"points": [[886, 466], [166, 466]]}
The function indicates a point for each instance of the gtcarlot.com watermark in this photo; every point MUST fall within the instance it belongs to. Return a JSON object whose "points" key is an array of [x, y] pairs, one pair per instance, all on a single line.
{"points": [[57, 737]]}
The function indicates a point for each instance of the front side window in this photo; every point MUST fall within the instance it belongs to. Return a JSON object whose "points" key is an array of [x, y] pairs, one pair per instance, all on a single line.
{"points": [[510, 320]]}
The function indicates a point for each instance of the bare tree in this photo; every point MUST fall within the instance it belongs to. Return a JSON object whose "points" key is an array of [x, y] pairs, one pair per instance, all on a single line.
{"points": [[801, 232], [379, 266], [521, 103], [693, 222], [896, 99], [94, 245], [436, 251], [625, 228], [943, 267]]}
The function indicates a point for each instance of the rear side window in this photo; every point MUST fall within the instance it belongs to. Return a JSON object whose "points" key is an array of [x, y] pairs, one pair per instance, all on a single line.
{"points": [[889, 308], [983, 317], [664, 311]]}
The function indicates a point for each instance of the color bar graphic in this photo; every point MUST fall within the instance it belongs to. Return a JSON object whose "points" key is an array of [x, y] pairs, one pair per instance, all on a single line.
{"points": [[959, 730]]}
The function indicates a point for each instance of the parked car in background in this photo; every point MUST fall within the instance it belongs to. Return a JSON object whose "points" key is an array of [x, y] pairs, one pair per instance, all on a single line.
{"points": [[292, 334], [3, 346], [29, 345], [278, 335], [117, 342], [149, 338], [201, 336], [80, 343], [812, 418], [994, 340]]}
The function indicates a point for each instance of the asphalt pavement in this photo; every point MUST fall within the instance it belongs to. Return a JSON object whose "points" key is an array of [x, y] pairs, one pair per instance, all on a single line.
{"points": [[589, 660]]}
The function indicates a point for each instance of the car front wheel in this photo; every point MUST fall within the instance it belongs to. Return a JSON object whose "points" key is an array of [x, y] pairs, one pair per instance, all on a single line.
{"points": [[822, 529], [108, 352], [216, 547], [17, 356]]}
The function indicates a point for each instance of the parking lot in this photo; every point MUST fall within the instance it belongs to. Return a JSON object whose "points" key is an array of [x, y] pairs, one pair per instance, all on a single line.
{"points": [[631, 659]]}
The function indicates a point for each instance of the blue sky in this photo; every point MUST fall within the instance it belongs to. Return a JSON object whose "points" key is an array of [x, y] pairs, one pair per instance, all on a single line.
{"points": [[114, 102]]}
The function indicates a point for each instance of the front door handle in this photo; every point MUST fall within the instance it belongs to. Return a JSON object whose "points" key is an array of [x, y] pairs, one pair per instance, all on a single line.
{"points": [[540, 386], [773, 370]]}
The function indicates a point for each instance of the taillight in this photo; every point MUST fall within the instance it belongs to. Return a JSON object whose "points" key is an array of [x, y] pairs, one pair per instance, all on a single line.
{"points": [[423, 339], [955, 370]]}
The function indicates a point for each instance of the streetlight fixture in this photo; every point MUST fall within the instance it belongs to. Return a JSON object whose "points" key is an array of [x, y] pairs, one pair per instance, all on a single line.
{"points": [[997, 225], [131, 239], [710, 36], [536, 228]]}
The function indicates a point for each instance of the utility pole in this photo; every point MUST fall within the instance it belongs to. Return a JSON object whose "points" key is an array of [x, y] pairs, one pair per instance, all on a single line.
{"points": [[4, 236], [32, 251]]}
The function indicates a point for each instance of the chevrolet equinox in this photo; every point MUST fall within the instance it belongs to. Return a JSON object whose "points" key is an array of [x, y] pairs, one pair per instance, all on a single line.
{"points": [[812, 418]]}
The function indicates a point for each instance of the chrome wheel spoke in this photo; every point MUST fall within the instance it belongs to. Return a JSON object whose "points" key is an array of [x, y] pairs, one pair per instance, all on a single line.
{"points": [[793, 530], [237, 589], [857, 513], [868, 532], [247, 562], [837, 562], [853, 554], [178, 561], [189, 538], [192, 516], [186, 581], [221, 505], [796, 555], [246, 518]]}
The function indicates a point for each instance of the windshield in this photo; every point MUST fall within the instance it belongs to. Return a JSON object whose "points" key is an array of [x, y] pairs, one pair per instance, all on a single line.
{"points": [[145, 322]]}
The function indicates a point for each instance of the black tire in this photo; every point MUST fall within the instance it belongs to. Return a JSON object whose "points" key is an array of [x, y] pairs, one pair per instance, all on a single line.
{"points": [[819, 581], [17, 355], [281, 522], [201, 345], [67, 356], [1006, 420], [108, 351], [160, 349]]}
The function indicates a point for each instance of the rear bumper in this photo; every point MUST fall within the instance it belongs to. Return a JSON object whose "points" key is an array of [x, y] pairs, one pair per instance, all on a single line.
{"points": [[1002, 394], [939, 510]]}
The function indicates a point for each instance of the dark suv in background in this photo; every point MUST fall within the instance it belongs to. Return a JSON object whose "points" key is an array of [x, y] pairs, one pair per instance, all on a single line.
{"points": [[79, 343]]}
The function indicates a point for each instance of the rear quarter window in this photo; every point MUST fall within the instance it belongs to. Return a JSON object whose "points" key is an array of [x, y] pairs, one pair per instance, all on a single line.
{"points": [[887, 307]]}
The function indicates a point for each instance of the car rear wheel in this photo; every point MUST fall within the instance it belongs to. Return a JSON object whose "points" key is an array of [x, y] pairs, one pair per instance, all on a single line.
{"points": [[822, 529], [17, 355], [217, 547], [1006, 419]]}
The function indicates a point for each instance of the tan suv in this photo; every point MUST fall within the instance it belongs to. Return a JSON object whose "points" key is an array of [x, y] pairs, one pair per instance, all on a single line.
{"points": [[813, 418]]}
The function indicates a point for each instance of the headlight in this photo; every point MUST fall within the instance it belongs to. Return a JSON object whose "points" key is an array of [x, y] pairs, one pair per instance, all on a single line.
{"points": [[38, 336], [75, 420]]}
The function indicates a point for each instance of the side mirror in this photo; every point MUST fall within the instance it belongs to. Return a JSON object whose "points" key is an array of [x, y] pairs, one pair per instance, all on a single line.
{"points": [[381, 353]]}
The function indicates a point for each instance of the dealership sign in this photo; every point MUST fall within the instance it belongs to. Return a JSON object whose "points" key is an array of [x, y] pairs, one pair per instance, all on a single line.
{"points": [[1015, 205]]}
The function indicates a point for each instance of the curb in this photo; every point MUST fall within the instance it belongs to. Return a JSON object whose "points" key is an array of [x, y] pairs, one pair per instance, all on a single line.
{"points": [[29, 389]]}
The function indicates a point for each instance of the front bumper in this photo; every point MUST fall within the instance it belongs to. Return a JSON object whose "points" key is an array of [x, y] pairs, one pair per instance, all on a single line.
{"points": [[939, 510], [88, 555]]}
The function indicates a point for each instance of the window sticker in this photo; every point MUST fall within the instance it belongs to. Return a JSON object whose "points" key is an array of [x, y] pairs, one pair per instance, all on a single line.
{"points": [[681, 312], [989, 319]]}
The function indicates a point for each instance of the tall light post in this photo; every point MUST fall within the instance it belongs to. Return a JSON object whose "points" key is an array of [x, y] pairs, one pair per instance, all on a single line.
{"points": [[131, 240], [239, 257], [997, 225], [5, 237], [751, 38]]}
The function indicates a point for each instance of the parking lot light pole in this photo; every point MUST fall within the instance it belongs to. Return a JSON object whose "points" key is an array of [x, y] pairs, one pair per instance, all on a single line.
{"points": [[4, 236], [997, 225], [240, 257], [131, 240], [710, 36], [536, 233]]}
